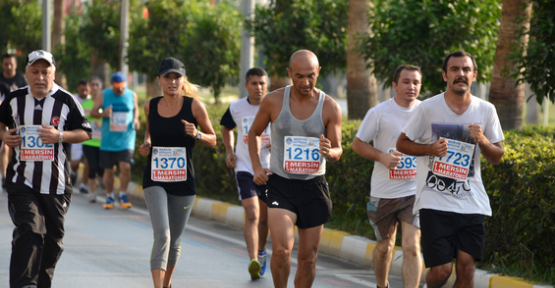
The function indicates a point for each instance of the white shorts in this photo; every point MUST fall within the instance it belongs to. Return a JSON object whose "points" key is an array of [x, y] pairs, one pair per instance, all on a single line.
{"points": [[76, 151]]}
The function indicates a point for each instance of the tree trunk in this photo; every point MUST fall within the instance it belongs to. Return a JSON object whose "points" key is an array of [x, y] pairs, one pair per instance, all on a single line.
{"points": [[58, 39], [277, 82], [508, 97], [153, 89], [101, 69], [361, 83]]}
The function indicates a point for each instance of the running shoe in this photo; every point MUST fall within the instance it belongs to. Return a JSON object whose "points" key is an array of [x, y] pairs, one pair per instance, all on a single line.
{"points": [[124, 203], [92, 198], [262, 261], [109, 203], [254, 269]]}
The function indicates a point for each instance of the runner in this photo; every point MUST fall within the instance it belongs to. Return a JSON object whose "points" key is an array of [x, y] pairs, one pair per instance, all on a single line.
{"points": [[91, 148], [4, 91], [82, 95], [449, 131], [121, 119], [13, 80], [306, 132], [252, 196], [42, 119], [169, 179], [393, 181]]}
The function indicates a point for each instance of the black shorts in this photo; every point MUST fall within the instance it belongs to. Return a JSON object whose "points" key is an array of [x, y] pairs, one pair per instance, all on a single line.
{"points": [[309, 199], [93, 157], [247, 187], [108, 158], [443, 233]]}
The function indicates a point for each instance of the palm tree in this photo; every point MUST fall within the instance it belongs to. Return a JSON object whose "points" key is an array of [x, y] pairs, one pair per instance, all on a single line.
{"points": [[58, 39], [361, 83], [508, 97]]}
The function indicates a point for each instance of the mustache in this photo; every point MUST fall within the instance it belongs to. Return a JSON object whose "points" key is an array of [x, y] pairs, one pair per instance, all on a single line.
{"points": [[460, 80]]}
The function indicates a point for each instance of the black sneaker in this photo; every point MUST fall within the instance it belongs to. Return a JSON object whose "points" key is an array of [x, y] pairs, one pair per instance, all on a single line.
{"points": [[3, 183]]}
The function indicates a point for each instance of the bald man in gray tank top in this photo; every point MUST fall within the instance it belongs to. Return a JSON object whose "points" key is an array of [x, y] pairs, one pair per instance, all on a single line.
{"points": [[306, 132]]}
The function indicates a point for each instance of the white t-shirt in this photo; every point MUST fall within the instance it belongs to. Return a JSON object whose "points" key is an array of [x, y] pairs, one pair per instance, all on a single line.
{"points": [[243, 114], [383, 124], [434, 119]]}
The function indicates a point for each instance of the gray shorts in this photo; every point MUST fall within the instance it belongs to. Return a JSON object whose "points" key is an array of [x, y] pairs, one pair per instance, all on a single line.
{"points": [[384, 215]]}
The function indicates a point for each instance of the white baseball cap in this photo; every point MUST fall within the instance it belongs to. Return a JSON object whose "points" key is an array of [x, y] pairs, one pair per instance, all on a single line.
{"points": [[40, 55]]}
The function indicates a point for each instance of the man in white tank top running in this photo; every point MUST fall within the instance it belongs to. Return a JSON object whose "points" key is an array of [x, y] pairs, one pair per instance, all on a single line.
{"points": [[306, 132]]}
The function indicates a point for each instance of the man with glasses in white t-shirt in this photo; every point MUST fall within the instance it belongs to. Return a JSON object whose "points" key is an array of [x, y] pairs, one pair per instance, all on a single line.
{"points": [[393, 183]]}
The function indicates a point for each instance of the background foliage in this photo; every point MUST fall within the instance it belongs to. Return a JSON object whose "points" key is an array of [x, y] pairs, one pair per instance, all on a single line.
{"points": [[428, 33], [20, 25], [73, 58], [536, 61], [316, 25]]}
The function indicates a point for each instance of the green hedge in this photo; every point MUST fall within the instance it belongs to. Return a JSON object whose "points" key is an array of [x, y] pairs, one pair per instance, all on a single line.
{"points": [[521, 188]]}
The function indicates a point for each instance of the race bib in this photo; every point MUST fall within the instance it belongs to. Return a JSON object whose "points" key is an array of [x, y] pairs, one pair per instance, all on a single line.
{"points": [[406, 170], [32, 148], [247, 124], [301, 155], [119, 122], [456, 163], [169, 164], [96, 132]]}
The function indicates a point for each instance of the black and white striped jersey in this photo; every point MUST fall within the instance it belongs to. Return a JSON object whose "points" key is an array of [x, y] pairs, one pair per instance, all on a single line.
{"points": [[43, 167]]}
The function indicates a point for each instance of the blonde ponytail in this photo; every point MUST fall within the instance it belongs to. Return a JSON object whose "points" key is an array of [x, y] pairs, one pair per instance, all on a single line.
{"points": [[189, 89]]}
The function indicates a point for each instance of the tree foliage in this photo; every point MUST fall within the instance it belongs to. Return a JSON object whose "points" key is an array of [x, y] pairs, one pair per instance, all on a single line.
{"points": [[74, 56], [212, 45], [205, 37], [101, 31], [20, 27], [284, 27], [159, 36], [424, 32], [536, 59]]}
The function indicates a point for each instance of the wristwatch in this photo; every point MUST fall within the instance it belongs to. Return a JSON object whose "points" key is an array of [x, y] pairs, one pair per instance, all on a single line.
{"points": [[61, 137], [199, 135]]}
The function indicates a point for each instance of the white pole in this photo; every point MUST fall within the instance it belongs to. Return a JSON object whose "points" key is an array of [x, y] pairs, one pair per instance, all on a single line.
{"points": [[46, 29], [247, 49], [124, 30], [545, 111]]}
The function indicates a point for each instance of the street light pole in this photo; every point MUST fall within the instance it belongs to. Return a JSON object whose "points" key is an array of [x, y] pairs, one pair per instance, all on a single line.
{"points": [[124, 34], [46, 29], [247, 48]]}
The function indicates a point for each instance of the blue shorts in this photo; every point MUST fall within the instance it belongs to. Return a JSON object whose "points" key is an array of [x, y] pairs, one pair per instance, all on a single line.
{"points": [[247, 187]]}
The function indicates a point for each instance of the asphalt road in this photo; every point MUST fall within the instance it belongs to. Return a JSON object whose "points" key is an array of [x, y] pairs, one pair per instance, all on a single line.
{"points": [[111, 248]]}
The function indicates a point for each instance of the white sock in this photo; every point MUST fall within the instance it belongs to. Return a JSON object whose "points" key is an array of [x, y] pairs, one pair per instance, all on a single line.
{"points": [[110, 195], [121, 193]]}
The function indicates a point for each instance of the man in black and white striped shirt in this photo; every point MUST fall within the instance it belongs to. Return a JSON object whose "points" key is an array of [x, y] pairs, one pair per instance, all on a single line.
{"points": [[39, 121]]}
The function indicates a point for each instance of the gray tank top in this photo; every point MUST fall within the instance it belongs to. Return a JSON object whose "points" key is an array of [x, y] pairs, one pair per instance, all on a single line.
{"points": [[293, 146]]}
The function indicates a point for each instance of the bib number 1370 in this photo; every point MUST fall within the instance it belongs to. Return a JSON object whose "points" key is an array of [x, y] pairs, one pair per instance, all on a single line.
{"points": [[169, 164]]}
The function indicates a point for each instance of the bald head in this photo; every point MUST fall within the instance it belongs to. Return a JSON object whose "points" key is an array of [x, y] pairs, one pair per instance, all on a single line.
{"points": [[303, 59]]}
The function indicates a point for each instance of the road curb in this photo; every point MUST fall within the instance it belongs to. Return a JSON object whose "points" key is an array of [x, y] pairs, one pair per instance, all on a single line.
{"points": [[340, 244]]}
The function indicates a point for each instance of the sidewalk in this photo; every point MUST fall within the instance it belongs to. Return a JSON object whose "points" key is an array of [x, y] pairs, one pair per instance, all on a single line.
{"points": [[355, 249]]}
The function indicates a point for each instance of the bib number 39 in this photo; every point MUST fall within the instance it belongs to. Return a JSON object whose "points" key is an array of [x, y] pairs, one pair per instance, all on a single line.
{"points": [[169, 164], [406, 170], [301, 155]]}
